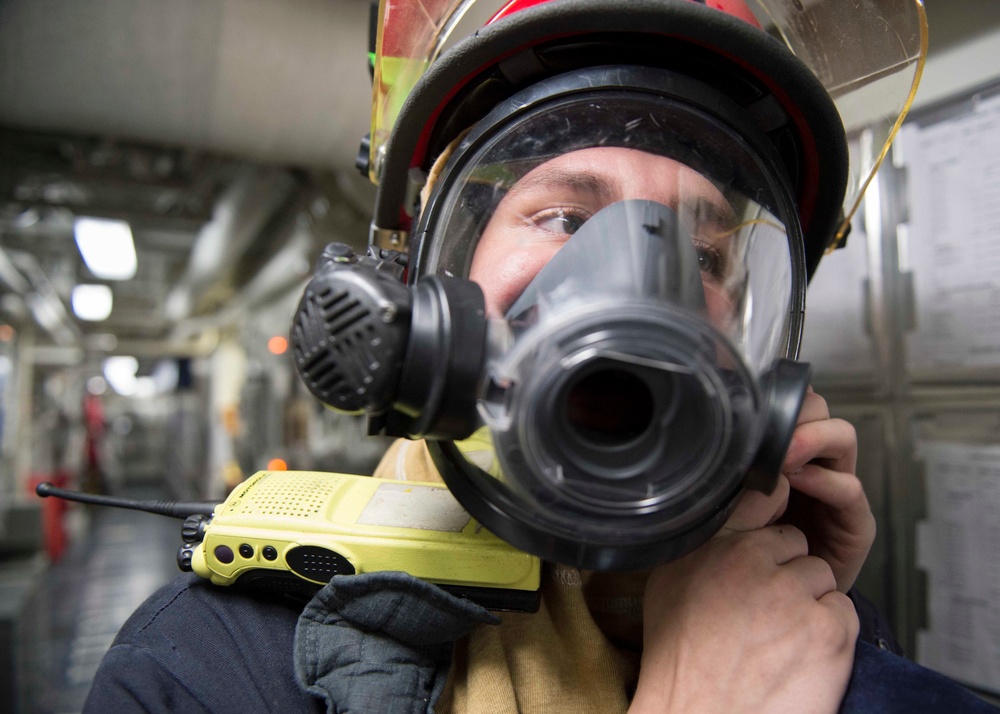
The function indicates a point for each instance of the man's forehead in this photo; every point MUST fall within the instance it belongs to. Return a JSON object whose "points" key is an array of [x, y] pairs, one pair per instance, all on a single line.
{"points": [[575, 178], [613, 173], [609, 159]]}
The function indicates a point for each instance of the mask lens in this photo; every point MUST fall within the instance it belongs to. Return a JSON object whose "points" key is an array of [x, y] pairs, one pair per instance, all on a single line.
{"points": [[521, 194], [638, 274]]}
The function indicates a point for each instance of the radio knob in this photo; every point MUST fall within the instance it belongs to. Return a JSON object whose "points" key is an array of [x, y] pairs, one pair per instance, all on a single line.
{"points": [[193, 530], [184, 555]]}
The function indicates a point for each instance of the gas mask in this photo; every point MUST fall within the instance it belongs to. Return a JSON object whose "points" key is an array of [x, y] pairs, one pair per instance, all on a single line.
{"points": [[593, 317], [607, 300]]}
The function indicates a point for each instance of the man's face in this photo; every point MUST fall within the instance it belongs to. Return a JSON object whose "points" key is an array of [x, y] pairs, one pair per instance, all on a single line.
{"points": [[540, 213]]}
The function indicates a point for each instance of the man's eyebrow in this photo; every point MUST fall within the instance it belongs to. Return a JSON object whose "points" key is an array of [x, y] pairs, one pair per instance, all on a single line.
{"points": [[714, 211], [577, 181]]}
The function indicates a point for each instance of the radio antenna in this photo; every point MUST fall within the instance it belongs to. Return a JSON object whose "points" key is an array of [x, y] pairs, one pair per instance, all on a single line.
{"points": [[174, 509]]}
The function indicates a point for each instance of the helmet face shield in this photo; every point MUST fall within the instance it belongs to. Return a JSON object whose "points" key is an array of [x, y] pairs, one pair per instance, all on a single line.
{"points": [[867, 54]]}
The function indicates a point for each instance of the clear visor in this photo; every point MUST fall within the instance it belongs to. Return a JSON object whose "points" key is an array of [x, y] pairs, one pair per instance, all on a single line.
{"points": [[520, 197]]}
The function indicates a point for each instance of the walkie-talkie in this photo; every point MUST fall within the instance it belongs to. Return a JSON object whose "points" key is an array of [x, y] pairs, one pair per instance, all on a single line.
{"points": [[291, 531]]}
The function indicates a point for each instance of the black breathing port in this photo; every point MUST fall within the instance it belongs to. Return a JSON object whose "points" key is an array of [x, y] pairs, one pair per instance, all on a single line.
{"points": [[445, 356], [610, 407], [350, 331], [784, 387], [633, 429], [612, 421]]}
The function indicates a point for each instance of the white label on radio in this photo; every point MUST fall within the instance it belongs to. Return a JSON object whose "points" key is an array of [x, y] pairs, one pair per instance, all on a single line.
{"points": [[404, 505]]}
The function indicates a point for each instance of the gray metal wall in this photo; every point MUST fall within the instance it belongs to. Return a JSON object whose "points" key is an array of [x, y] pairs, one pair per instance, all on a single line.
{"points": [[904, 332]]}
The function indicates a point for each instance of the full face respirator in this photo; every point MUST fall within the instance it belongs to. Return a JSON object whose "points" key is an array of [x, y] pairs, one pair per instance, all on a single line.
{"points": [[593, 315], [608, 289]]}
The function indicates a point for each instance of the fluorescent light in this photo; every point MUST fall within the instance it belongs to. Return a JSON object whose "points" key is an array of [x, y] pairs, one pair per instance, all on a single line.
{"points": [[91, 302], [145, 387], [120, 374], [106, 247]]}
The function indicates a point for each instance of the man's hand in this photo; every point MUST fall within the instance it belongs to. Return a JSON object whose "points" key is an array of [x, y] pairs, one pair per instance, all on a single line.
{"points": [[756, 620], [747, 623], [827, 501]]}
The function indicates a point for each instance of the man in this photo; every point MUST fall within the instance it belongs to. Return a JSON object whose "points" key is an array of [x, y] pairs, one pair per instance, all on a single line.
{"points": [[754, 588]]}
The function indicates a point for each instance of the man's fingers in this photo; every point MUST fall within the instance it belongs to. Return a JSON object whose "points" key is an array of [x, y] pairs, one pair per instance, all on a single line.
{"points": [[814, 408], [786, 546], [775, 545], [834, 488], [814, 574], [843, 612], [833, 440], [792, 542], [756, 510]]}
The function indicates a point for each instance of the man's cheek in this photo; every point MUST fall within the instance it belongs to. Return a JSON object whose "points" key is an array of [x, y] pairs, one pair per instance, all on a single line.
{"points": [[721, 308], [505, 278]]}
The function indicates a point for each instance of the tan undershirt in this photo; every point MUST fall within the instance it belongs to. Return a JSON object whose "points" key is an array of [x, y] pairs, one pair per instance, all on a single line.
{"points": [[578, 653]]}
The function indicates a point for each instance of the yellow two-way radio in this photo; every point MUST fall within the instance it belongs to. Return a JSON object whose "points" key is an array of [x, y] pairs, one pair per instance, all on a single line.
{"points": [[291, 531]]}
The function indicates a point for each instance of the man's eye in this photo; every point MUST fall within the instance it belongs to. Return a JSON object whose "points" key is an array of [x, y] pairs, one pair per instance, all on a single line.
{"points": [[560, 222], [710, 260]]}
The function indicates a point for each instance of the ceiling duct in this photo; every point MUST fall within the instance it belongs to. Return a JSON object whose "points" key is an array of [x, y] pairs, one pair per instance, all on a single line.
{"points": [[275, 82], [23, 276], [241, 215]]}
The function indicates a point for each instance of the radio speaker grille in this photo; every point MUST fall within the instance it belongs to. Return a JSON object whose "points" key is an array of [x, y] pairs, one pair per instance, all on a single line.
{"points": [[289, 494]]}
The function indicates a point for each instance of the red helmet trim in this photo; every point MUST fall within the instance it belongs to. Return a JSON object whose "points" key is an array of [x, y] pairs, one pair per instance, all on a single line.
{"points": [[514, 6], [736, 8]]}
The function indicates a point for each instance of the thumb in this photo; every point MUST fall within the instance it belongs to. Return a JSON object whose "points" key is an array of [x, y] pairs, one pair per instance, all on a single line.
{"points": [[756, 509]]}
